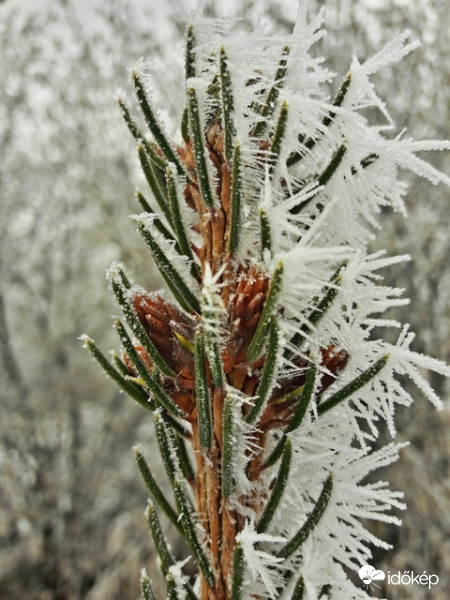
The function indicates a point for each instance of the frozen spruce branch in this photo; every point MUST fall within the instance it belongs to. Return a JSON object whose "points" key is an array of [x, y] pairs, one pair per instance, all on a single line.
{"points": [[263, 374]]}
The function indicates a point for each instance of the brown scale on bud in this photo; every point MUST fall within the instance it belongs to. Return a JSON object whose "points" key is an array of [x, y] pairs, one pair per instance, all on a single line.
{"points": [[244, 309], [172, 332]]}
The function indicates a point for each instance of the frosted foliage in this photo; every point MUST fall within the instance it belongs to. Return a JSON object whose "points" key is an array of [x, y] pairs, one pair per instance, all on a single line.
{"points": [[179, 579], [263, 575], [322, 247], [285, 355]]}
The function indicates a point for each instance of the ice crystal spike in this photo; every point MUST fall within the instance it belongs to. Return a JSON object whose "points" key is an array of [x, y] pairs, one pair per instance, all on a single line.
{"points": [[263, 369], [212, 314], [322, 306], [309, 144]]}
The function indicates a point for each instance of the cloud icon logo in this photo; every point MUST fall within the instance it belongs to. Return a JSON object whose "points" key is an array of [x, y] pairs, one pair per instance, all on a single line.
{"points": [[368, 574]]}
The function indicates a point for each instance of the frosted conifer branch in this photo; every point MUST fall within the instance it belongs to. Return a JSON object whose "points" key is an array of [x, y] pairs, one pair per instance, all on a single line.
{"points": [[268, 367]]}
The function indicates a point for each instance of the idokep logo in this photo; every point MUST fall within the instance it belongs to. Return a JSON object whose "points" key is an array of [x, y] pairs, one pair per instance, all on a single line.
{"points": [[409, 578], [369, 575]]}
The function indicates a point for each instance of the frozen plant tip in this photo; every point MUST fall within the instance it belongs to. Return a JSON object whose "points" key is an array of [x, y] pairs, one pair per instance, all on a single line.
{"points": [[266, 378]]}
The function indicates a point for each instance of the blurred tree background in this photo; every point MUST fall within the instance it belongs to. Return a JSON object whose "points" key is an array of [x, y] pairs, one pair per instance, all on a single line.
{"points": [[71, 502]]}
